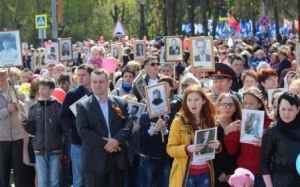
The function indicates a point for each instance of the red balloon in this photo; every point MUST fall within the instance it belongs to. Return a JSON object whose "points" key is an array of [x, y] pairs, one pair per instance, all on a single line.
{"points": [[59, 95]]}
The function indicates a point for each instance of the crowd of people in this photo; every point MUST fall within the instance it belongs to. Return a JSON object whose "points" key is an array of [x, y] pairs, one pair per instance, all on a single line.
{"points": [[68, 123]]}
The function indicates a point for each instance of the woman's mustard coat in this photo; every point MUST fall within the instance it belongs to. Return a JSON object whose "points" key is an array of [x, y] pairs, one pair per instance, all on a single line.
{"points": [[181, 135]]}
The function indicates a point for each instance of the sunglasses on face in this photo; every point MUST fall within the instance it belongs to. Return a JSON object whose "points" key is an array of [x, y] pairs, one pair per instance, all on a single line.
{"points": [[227, 105], [155, 64]]}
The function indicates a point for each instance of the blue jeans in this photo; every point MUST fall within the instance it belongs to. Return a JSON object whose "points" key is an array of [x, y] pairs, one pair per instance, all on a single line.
{"points": [[76, 165], [131, 179], [202, 180], [259, 181], [154, 172], [48, 170]]}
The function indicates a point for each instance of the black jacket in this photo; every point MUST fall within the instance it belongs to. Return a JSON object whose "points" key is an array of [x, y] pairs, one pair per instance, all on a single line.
{"points": [[152, 145], [92, 129], [44, 123], [284, 64], [280, 147], [68, 117]]}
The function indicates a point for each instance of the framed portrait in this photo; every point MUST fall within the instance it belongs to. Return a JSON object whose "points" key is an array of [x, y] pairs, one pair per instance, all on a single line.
{"points": [[252, 126], [203, 137], [140, 83], [86, 53], [51, 53], [206, 83], [75, 52], [135, 111], [202, 53], [298, 52], [135, 108], [139, 50], [116, 50], [272, 93], [162, 55], [10, 49], [65, 49], [157, 100], [174, 48]]}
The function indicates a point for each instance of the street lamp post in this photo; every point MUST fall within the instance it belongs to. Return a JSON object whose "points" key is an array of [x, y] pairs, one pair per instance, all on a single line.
{"points": [[53, 19], [142, 18]]}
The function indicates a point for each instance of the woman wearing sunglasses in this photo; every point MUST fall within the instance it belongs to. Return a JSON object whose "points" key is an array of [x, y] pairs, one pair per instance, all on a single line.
{"points": [[228, 119], [248, 155]]}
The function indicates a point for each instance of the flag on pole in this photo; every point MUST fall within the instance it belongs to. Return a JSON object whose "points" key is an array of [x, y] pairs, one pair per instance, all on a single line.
{"points": [[234, 24], [297, 25]]}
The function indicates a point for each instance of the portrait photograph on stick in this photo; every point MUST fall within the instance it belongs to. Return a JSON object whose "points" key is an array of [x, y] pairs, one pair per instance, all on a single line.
{"points": [[65, 49], [139, 50], [202, 53], [157, 101], [173, 48], [252, 126], [135, 111], [115, 50], [52, 53], [10, 49], [203, 137]]}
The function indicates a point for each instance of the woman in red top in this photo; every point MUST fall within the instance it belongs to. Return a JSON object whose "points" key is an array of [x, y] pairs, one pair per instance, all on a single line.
{"points": [[248, 154]]}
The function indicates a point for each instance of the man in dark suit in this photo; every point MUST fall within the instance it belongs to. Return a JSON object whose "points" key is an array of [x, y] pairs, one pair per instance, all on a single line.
{"points": [[201, 56], [103, 126]]}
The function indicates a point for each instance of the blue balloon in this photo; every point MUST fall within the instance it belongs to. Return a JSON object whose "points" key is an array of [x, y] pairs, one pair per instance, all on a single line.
{"points": [[298, 164]]}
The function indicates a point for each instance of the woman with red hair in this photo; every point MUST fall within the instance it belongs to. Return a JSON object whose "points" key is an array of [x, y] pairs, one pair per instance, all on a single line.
{"points": [[197, 112]]}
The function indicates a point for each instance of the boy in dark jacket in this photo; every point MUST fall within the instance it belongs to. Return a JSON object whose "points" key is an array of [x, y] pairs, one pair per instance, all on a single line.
{"points": [[44, 124]]}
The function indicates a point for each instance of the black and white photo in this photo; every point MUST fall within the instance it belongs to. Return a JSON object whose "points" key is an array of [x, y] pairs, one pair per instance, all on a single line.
{"points": [[203, 137], [115, 50], [157, 101], [52, 53], [10, 49], [252, 126], [174, 49], [65, 49], [202, 53], [135, 111], [139, 50]]}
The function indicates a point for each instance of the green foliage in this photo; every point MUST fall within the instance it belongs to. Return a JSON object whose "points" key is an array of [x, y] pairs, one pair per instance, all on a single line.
{"points": [[90, 18]]}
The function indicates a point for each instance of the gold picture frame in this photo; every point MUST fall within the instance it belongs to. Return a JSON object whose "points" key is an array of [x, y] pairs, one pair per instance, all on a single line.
{"points": [[202, 53], [173, 49]]}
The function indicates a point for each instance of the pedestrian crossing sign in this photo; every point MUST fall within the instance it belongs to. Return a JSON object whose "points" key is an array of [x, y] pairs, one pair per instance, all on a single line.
{"points": [[41, 21]]}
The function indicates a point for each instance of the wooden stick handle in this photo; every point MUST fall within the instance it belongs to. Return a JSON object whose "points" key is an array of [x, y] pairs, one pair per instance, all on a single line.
{"points": [[162, 136]]}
